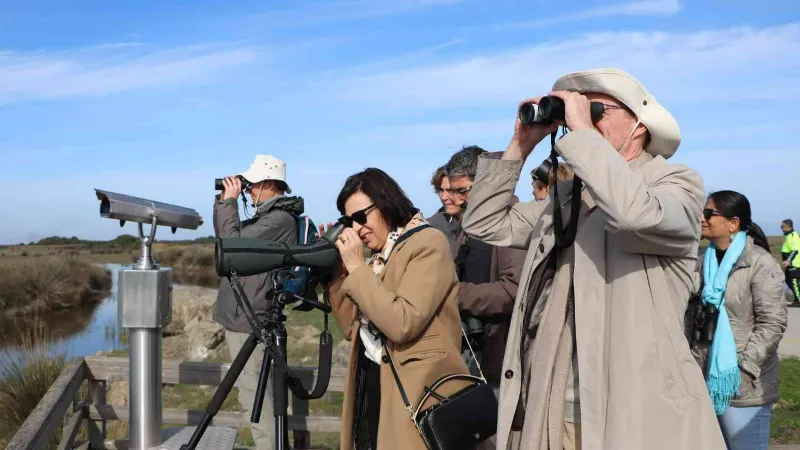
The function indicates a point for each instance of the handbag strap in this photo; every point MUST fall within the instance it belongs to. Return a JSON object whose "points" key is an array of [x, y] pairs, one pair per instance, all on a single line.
{"points": [[471, 352], [403, 395]]}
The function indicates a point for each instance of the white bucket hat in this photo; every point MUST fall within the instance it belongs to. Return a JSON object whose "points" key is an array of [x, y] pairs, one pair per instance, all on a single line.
{"points": [[665, 135], [266, 167]]}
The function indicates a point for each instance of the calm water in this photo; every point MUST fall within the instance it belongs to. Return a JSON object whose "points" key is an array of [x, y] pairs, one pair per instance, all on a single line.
{"points": [[82, 332]]}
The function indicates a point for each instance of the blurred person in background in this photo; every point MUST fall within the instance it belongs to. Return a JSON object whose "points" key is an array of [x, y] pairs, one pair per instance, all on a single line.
{"points": [[790, 254], [447, 218], [542, 178], [741, 365], [489, 277]]}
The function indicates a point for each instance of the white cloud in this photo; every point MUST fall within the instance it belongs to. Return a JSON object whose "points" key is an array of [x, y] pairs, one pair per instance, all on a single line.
{"points": [[737, 64], [110, 69], [632, 9], [347, 11]]}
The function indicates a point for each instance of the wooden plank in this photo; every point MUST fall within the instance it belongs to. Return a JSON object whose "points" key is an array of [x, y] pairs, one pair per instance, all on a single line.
{"points": [[191, 372], [97, 429], [71, 431], [39, 428], [223, 418]]}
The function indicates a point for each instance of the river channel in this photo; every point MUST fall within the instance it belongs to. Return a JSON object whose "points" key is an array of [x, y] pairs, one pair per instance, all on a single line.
{"points": [[77, 332]]}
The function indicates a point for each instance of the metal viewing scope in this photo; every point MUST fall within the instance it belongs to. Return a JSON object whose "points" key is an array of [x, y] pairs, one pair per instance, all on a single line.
{"points": [[144, 308], [134, 209]]}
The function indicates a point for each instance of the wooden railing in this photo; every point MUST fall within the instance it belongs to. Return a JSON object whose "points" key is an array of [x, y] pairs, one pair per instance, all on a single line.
{"points": [[61, 406]]}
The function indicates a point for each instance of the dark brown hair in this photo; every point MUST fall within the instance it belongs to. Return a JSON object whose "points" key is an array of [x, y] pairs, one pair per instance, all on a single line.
{"points": [[386, 194]]}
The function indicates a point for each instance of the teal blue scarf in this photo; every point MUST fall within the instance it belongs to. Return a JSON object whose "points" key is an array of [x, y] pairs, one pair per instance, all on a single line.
{"points": [[723, 361]]}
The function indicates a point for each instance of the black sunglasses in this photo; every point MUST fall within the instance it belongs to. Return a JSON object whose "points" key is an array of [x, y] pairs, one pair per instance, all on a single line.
{"points": [[708, 213], [359, 217]]}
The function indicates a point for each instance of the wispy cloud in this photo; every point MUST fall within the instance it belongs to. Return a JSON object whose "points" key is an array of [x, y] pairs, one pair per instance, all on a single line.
{"points": [[729, 65], [632, 9], [103, 70], [347, 11]]}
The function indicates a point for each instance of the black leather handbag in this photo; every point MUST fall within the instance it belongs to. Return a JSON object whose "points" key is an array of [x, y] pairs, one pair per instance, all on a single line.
{"points": [[459, 421]]}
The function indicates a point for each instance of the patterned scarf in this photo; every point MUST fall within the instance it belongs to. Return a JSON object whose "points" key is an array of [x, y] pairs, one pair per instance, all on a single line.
{"points": [[372, 345]]}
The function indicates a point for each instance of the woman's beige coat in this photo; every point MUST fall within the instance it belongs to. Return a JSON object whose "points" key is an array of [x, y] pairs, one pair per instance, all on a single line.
{"points": [[414, 302], [635, 265]]}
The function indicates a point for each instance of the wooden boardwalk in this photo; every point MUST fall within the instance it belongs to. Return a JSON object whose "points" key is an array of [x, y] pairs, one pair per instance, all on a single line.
{"points": [[61, 406]]}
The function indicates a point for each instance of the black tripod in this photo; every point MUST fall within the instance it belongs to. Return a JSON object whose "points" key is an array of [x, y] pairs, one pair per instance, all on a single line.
{"points": [[272, 333]]}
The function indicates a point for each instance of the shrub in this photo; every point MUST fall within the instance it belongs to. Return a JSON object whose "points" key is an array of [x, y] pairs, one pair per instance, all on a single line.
{"points": [[26, 373], [51, 283]]}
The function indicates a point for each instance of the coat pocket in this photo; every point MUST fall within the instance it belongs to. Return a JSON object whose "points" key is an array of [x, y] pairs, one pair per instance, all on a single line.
{"points": [[427, 348]]}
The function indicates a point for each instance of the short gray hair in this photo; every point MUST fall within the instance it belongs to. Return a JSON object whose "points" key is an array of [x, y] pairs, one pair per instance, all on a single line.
{"points": [[465, 162]]}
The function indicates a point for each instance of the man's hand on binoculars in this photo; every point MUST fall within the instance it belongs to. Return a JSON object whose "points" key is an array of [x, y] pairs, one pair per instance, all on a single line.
{"points": [[233, 187], [577, 110], [527, 136], [351, 250]]}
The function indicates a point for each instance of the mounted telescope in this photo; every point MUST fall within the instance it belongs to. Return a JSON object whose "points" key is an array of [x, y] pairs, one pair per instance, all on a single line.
{"points": [[144, 307]]}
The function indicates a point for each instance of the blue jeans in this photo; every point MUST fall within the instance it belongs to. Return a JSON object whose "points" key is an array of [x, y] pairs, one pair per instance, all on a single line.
{"points": [[746, 428]]}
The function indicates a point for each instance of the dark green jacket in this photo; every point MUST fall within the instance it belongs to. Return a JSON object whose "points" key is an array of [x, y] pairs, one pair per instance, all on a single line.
{"points": [[271, 221]]}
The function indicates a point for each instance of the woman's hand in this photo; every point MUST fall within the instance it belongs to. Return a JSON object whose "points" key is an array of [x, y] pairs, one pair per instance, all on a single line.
{"points": [[351, 250], [233, 187]]}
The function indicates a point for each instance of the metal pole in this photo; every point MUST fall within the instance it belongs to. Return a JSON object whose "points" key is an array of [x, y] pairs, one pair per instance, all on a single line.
{"points": [[145, 387], [145, 306]]}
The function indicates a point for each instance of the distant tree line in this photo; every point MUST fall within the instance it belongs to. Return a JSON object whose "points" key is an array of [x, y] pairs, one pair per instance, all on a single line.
{"points": [[121, 241]]}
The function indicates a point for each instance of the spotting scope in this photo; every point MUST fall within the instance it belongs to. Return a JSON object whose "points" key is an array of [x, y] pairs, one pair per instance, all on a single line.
{"points": [[250, 256]]}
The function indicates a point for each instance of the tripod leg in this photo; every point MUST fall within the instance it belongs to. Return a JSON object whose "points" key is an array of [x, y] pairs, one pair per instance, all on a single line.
{"points": [[280, 393], [261, 389], [222, 391]]}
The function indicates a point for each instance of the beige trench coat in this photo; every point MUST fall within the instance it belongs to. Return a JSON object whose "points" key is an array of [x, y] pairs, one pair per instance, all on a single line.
{"points": [[635, 260], [414, 302]]}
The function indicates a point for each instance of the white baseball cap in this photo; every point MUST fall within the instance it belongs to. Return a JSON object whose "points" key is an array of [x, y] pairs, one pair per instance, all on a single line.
{"points": [[266, 167]]}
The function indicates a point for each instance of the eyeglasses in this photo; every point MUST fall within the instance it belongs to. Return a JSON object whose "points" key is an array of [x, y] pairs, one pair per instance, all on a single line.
{"points": [[708, 213], [359, 217], [461, 192]]}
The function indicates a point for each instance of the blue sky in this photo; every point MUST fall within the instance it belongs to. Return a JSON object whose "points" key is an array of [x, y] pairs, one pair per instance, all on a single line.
{"points": [[157, 98]]}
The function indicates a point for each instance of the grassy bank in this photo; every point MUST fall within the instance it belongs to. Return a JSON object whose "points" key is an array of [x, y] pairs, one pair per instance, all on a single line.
{"points": [[50, 283], [785, 426], [27, 370]]}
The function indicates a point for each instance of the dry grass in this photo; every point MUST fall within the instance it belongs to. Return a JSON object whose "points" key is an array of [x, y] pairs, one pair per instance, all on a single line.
{"points": [[47, 284], [191, 264], [27, 370]]}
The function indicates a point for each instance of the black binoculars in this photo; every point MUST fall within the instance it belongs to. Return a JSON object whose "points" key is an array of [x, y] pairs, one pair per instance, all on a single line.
{"points": [[702, 322], [218, 186], [551, 109]]}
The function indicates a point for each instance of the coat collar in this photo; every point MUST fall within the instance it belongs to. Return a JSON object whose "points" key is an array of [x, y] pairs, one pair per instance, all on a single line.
{"points": [[745, 259]]}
